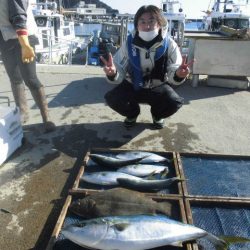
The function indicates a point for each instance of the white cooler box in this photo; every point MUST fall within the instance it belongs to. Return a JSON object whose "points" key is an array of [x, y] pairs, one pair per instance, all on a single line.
{"points": [[11, 132]]}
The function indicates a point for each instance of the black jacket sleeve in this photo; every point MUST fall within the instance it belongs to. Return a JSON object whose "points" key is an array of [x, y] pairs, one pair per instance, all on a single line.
{"points": [[18, 13]]}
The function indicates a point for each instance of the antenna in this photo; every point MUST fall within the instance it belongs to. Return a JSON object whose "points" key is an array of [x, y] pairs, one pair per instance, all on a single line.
{"points": [[209, 4]]}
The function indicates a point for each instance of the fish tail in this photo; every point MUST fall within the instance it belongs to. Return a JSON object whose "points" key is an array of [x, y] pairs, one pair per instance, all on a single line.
{"points": [[223, 242], [178, 178], [168, 160], [219, 243], [164, 173], [151, 175], [233, 240]]}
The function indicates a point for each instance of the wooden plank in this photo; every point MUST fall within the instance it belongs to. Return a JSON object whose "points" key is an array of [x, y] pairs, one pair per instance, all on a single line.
{"points": [[219, 199], [214, 198], [180, 167], [178, 173], [59, 223], [81, 171], [81, 192], [213, 155]]}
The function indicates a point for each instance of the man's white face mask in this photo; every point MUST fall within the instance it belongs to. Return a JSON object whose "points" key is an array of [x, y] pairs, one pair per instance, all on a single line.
{"points": [[148, 35]]}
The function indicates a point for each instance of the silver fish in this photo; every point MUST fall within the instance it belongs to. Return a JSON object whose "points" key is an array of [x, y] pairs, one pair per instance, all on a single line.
{"points": [[105, 177], [146, 185], [136, 232], [113, 162], [142, 170], [148, 157]]}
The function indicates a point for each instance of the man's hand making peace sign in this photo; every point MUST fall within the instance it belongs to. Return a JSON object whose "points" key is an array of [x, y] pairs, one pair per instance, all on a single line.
{"points": [[183, 71], [109, 67]]}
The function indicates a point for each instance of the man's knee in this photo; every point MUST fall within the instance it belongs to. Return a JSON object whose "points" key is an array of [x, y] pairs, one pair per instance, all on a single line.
{"points": [[33, 84]]}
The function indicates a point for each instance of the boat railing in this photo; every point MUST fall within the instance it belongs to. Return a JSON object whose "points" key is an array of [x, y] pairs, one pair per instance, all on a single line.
{"points": [[62, 47]]}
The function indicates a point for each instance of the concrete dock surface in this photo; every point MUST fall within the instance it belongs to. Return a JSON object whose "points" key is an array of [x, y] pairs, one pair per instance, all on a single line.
{"points": [[35, 180]]}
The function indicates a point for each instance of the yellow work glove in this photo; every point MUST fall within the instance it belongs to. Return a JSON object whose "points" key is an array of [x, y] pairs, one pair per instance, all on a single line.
{"points": [[28, 53]]}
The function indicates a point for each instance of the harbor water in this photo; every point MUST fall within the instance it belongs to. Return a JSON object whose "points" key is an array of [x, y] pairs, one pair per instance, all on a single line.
{"points": [[194, 25]]}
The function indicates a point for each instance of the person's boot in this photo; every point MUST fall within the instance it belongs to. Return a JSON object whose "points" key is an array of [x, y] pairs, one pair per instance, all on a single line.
{"points": [[18, 91], [41, 102]]}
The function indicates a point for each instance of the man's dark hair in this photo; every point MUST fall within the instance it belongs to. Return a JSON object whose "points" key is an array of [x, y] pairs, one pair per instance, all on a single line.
{"points": [[152, 9]]}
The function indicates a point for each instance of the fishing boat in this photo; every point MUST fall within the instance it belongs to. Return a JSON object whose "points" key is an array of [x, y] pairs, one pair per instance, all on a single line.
{"points": [[231, 13], [57, 40], [173, 12], [107, 40]]}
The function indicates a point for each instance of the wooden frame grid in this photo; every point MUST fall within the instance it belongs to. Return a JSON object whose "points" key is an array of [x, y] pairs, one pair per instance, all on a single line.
{"points": [[75, 191], [183, 199], [215, 197]]}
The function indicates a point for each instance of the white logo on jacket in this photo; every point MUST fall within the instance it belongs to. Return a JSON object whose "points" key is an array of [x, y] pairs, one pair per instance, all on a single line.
{"points": [[133, 50]]}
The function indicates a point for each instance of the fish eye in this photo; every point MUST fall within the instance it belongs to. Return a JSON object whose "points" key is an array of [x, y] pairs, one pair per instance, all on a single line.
{"points": [[80, 224]]}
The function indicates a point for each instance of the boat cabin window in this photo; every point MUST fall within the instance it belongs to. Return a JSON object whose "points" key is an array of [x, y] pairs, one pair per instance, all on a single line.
{"points": [[244, 23], [66, 31], [41, 21], [164, 7], [237, 23]]}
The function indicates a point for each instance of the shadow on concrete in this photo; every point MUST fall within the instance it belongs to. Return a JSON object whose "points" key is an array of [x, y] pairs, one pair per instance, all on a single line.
{"points": [[71, 140], [202, 91], [74, 140], [80, 92], [92, 91]]}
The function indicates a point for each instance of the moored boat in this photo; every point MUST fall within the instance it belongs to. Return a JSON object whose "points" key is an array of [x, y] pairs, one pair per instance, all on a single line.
{"points": [[107, 40], [57, 40], [173, 12], [231, 13]]}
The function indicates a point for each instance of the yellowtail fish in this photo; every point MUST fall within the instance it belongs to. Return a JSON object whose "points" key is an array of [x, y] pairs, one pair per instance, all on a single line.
{"points": [[147, 185], [142, 170], [105, 177], [108, 161], [148, 156], [137, 232]]}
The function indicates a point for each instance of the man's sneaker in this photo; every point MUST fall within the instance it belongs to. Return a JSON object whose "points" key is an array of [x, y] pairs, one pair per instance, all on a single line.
{"points": [[129, 122], [158, 124]]}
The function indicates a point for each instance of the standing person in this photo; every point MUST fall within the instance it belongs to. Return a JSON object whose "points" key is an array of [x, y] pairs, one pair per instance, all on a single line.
{"points": [[53, 6], [17, 46], [145, 66]]}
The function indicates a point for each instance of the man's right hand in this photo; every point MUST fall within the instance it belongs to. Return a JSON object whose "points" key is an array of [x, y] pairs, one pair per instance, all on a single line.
{"points": [[109, 67]]}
